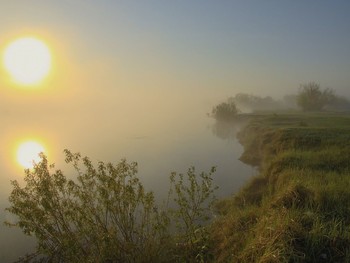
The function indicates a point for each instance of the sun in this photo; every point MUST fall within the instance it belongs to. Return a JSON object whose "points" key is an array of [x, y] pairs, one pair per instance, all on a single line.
{"points": [[27, 60], [28, 154]]}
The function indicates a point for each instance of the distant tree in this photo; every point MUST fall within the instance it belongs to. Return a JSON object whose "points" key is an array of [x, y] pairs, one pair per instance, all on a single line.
{"points": [[225, 111], [251, 102], [247, 100], [106, 215], [312, 98]]}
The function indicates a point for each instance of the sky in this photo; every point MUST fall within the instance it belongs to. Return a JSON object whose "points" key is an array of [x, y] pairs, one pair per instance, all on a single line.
{"points": [[207, 47]]}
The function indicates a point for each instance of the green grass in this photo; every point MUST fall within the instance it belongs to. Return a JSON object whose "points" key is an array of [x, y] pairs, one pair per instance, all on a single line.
{"points": [[298, 208]]}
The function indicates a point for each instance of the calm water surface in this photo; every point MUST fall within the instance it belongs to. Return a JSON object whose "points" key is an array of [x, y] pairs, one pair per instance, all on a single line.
{"points": [[159, 149]]}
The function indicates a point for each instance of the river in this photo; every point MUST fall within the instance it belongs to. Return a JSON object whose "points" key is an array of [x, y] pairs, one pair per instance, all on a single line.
{"points": [[160, 149]]}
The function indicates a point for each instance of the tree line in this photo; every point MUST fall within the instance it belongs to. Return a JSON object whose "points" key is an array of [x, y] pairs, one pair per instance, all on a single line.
{"points": [[310, 97]]}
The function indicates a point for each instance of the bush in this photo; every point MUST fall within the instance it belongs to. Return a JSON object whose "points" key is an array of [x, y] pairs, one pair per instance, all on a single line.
{"points": [[225, 111], [106, 215]]}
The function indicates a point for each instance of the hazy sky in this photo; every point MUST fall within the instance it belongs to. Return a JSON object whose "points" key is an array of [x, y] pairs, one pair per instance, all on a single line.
{"points": [[198, 48]]}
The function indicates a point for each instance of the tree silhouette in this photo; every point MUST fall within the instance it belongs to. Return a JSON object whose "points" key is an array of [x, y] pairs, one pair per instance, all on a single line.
{"points": [[312, 98]]}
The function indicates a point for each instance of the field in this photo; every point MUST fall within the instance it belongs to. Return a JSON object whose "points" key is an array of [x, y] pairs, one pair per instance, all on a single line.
{"points": [[298, 208]]}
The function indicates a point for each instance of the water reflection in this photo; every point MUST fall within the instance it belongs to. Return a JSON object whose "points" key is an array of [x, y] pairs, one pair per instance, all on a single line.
{"points": [[235, 172], [158, 149], [225, 130]]}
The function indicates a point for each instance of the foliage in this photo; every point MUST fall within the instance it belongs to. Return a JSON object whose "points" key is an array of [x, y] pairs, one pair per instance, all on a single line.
{"points": [[106, 215], [312, 98], [194, 198], [225, 111]]}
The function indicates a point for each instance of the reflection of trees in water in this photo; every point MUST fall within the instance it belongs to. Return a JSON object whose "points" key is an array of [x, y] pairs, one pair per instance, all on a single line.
{"points": [[225, 130]]}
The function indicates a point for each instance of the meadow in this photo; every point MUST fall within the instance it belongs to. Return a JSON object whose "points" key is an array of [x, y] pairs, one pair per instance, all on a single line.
{"points": [[297, 208]]}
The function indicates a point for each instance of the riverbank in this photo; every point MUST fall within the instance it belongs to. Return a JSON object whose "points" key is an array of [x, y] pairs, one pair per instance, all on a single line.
{"points": [[298, 208]]}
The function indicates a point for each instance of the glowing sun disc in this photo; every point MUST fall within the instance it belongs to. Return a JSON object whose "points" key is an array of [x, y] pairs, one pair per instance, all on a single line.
{"points": [[28, 154], [27, 60]]}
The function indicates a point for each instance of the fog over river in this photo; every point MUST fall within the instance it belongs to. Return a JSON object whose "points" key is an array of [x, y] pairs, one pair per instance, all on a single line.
{"points": [[163, 146]]}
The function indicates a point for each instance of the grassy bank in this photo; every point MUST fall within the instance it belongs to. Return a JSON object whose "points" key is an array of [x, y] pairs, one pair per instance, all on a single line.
{"points": [[298, 208]]}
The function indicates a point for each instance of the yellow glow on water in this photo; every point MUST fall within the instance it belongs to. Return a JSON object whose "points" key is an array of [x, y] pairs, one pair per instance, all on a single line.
{"points": [[28, 153]]}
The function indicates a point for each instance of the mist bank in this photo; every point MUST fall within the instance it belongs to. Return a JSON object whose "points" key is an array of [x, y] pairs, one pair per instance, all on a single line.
{"points": [[310, 97], [297, 208]]}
